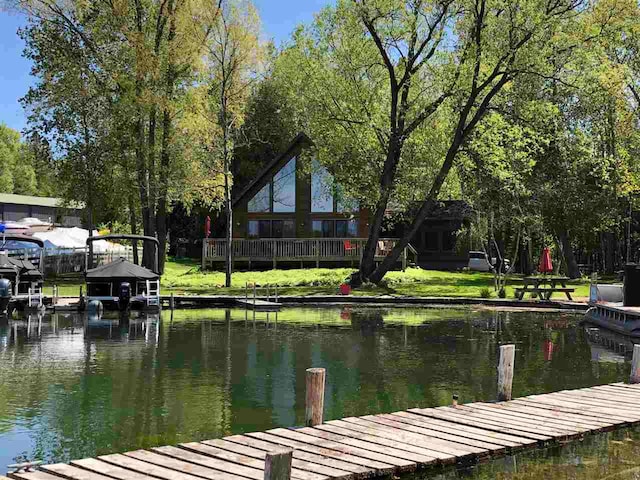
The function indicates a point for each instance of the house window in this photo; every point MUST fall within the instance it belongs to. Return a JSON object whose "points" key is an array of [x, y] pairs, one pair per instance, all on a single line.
{"points": [[346, 228], [271, 229], [326, 195], [261, 202], [284, 188], [283, 229], [252, 229], [323, 228], [321, 189], [264, 228], [279, 195]]}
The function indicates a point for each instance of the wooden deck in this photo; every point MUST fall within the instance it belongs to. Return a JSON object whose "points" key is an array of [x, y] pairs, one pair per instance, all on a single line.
{"points": [[375, 445], [347, 251]]}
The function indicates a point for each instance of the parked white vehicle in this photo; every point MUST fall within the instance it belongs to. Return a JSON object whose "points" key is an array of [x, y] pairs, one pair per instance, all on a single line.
{"points": [[479, 262]]}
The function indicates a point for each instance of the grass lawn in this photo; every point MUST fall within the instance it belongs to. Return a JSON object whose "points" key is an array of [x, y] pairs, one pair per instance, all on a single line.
{"points": [[185, 277]]}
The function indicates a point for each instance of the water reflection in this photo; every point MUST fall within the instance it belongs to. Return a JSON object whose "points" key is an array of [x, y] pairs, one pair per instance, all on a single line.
{"points": [[73, 386]]}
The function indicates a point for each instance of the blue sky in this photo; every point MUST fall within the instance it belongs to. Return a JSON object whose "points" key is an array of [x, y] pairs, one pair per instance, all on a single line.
{"points": [[279, 18]]}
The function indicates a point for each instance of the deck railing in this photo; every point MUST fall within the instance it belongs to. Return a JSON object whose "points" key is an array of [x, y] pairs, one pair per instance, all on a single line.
{"points": [[296, 249]]}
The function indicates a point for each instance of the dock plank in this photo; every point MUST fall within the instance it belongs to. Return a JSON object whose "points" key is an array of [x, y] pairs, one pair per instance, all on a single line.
{"points": [[217, 453], [108, 469], [470, 432], [146, 468], [582, 422], [452, 415], [36, 475], [385, 461], [326, 450], [71, 472], [382, 445], [335, 461], [188, 463], [534, 419]]}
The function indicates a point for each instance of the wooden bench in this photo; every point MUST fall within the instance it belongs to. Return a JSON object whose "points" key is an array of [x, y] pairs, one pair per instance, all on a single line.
{"points": [[544, 292]]}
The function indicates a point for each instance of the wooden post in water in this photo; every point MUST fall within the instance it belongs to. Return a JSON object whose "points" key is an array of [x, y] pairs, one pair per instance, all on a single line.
{"points": [[276, 287], [505, 371], [277, 465], [314, 406], [254, 293], [635, 365], [246, 294], [172, 302]]}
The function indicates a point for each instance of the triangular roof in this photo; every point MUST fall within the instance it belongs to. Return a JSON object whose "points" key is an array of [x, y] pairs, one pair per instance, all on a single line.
{"points": [[272, 167], [121, 268]]}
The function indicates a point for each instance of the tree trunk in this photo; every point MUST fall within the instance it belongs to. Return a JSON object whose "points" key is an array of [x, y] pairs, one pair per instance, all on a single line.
{"points": [[573, 271], [134, 228], [367, 264], [165, 157], [425, 210]]}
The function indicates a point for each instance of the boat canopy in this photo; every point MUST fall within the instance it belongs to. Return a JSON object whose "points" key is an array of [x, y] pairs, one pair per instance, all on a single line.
{"points": [[121, 269]]}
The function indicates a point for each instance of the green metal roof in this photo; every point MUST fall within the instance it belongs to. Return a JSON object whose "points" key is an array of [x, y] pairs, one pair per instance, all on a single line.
{"points": [[14, 199]]}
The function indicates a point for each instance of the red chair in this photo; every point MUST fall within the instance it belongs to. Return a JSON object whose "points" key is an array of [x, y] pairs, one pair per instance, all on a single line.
{"points": [[348, 246]]}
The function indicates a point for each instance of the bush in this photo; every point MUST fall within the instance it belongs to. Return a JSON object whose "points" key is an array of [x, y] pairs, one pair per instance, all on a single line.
{"points": [[486, 293]]}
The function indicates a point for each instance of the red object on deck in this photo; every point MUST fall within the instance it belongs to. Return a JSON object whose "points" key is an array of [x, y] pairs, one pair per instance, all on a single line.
{"points": [[345, 289], [545, 265], [548, 350], [207, 227]]}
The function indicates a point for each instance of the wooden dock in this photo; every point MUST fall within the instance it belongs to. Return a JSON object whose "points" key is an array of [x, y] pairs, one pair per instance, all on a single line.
{"points": [[374, 445], [259, 305]]}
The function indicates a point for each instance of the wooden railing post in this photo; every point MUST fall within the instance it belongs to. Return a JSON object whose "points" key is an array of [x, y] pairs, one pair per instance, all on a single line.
{"points": [[204, 252], [277, 464], [505, 372], [314, 407], [635, 365]]}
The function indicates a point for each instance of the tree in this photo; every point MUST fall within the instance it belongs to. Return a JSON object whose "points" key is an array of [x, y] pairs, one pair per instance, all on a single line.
{"points": [[233, 59]]}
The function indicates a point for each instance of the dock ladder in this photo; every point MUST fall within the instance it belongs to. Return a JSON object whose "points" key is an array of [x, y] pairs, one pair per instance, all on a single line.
{"points": [[153, 293], [34, 297]]}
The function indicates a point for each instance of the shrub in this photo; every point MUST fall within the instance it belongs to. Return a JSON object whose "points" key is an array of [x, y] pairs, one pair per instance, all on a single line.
{"points": [[486, 293]]}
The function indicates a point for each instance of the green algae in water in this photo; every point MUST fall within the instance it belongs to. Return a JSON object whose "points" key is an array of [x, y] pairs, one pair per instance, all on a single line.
{"points": [[606, 456]]}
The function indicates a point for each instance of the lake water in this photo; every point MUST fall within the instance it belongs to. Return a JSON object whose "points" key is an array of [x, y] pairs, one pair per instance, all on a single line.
{"points": [[70, 388]]}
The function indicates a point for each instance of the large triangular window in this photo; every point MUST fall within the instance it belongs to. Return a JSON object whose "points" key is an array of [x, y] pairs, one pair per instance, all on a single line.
{"points": [[279, 195]]}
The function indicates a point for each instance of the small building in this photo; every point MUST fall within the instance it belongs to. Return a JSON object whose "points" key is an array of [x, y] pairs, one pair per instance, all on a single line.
{"points": [[48, 209]]}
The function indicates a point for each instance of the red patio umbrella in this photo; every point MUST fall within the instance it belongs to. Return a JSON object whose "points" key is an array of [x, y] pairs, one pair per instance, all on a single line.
{"points": [[207, 226], [545, 265]]}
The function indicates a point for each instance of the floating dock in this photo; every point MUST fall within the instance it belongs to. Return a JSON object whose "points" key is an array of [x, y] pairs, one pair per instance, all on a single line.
{"points": [[259, 305], [374, 445]]}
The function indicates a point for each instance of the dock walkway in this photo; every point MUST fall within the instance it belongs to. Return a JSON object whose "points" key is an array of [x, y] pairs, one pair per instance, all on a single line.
{"points": [[375, 445]]}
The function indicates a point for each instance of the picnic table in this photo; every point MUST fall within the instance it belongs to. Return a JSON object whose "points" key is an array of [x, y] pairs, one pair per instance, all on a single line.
{"points": [[537, 286]]}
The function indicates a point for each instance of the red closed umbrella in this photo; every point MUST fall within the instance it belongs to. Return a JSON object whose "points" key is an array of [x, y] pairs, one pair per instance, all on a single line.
{"points": [[545, 265], [207, 226]]}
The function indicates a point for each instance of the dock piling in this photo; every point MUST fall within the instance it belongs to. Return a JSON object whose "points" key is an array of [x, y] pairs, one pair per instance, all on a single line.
{"points": [[172, 302], [314, 408], [635, 365], [277, 465], [505, 372]]}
